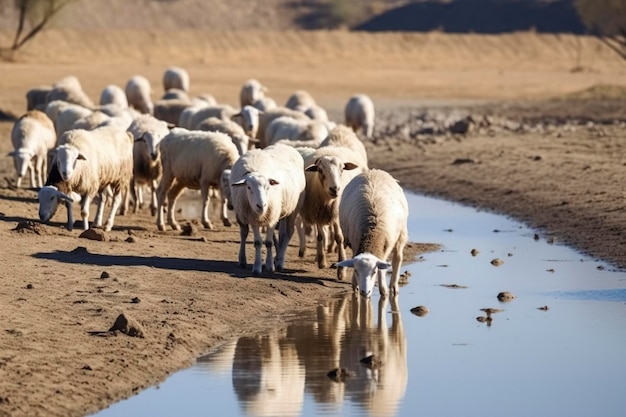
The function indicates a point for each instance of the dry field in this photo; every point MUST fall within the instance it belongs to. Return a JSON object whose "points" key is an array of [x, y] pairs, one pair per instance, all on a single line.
{"points": [[56, 356]]}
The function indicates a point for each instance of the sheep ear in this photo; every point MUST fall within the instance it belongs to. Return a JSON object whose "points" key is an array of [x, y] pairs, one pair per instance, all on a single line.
{"points": [[140, 139], [12, 153], [348, 166], [238, 183], [81, 156], [383, 265], [273, 181], [64, 197], [253, 140], [311, 168], [171, 126], [348, 263]]}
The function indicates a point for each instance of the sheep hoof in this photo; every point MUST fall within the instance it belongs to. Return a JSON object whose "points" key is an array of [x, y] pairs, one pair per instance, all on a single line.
{"points": [[256, 273], [227, 223], [301, 253], [153, 211], [161, 227]]}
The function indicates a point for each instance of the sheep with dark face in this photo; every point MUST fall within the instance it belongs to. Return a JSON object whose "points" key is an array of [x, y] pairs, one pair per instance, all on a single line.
{"points": [[373, 215]]}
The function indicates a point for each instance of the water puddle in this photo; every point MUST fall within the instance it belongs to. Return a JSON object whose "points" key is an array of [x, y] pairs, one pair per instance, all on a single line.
{"points": [[557, 348]]}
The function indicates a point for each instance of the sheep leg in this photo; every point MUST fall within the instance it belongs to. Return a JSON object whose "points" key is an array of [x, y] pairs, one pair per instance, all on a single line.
{"points": [[31, 168], [396, 262], [84, 210], [172, 196], [341, 271], [206, 199], [269, 242], [257, 267], [100, 210], [162, 189], [301, 228], [286, 229], [225, 221], [153, 197], [39, 170], [244, 229], [382, 282], [321, 241], [117, 202], [70, 216]]}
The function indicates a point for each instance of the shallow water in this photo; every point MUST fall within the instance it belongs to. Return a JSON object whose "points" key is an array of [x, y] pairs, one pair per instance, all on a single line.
{"points": [[568, 359]]}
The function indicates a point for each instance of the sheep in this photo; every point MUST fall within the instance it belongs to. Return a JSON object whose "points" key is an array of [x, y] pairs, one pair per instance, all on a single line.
{"points": [[316, 112], [176, 77], [175, 94], [69, 89], [250, 116], [147, 132], [300, 100], [359, 114], [87, 163], [221, 111], [232, 129], [37, 98], [309, 132], [373, 215], [67, 117], [204, 98], [113, 94], [32, 136], [139, 94], [267, 190], [264, 103], [91, 121], [342, 136], [265, 118], [251, 91], [328, 170], [193, 159], [170, 110]]}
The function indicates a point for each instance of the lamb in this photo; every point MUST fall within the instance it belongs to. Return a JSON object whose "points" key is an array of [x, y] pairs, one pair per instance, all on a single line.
{"points": [[309, 132], [232, 129], [139, 94], [113, 94], [193, 159], [87, 163], [300, 100], [251, 91], [147, 132], [373, 215], [176, 77], [343, 136], [37, 98], [69, 89], [267, 190], [328, 171], [359, 114], [32, 136]]}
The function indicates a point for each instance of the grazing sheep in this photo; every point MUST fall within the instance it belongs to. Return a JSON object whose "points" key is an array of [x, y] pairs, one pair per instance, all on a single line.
{"points": [[249, 116], [113, 95], [265, 118], [359, 114], [175, 94], [264, 103], [204, 98], [221, 111], [251, 91], [300, 100], [69, 89], [196, 160], [87, 163], [139, 94], [170, 110], [91, 121], [68, 116], [232, 129], [343, 136], [267, 190], [37, 98], [176, 77], [328, 171], [316, 112], [373, 215], [147, 132], [308, 132], [32, 136]]}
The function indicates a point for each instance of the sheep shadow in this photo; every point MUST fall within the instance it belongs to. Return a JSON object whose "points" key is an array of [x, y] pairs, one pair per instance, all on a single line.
{"points": [[81, 255], [21, 199]]}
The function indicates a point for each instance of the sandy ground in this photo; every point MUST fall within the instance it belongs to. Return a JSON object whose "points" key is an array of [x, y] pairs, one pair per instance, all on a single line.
{"points": [[556, 164]]}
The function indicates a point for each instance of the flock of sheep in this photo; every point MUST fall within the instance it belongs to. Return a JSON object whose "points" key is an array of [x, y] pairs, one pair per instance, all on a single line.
{"points": [[278, 167]]}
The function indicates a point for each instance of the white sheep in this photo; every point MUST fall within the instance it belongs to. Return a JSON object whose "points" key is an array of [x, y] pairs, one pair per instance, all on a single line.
{"points": [[359, 114], [373, 215], [231, 128], [221, 111], [249, 120], [176, 77], [306, 131], [87, 163], [175, 94], [264, 103], [328, 171], [342, 136], [68, 116], [251, 91], [91, 121], [170, 110], [147, 132], [263, 119], [69, 89], [267, 190], [139, 94], [32, 136], [37, 98], [300, 100], [113, 94], [196, 160]]}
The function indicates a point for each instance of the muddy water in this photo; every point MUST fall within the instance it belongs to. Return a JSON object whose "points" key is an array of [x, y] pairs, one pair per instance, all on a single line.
{"points": [[557, 348]]}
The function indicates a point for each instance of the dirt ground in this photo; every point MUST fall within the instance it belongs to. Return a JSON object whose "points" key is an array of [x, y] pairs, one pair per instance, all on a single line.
{"points": [[545, 122]]}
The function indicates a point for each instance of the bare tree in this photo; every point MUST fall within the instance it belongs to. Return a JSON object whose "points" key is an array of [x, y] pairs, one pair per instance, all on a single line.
{"points": [[33, 16], [606, 19]]}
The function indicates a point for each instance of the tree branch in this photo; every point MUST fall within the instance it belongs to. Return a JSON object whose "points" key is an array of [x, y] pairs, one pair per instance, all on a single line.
{"points": [[617, 45]]}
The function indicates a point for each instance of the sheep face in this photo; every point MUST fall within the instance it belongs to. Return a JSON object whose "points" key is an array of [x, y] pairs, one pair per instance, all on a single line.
{"points": [[151, 142], [250, 120], [49, 198], [22, 160], [66, 157], [329, 170], [367, 268], [225, 187], [257, 190]]}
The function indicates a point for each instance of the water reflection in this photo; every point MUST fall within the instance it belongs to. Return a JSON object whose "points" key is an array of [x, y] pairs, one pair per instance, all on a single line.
{"points": [[272, 373]]}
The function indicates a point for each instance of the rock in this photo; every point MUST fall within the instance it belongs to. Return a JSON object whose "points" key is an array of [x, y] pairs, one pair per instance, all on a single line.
{"points": [[135, 300], [505, 296], [338, 374], [128, 326], [93, 234], [189, 230], [105, 275], [420, 311], [489, 311], [474, 252], [371, 361], [497, 262], [131, 239]]}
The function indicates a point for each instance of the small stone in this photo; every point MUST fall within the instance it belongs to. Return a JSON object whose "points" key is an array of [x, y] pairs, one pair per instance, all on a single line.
{"points": [[135, 300], [131, 239], [127, 325], [104, 275], [490, 310], [543, 308], [474, 252], [29, 286], [505, 296], [420, 311], [497, 262], [93, 234], [189, 230], [338, 374], [371, 361], [87, 368]]}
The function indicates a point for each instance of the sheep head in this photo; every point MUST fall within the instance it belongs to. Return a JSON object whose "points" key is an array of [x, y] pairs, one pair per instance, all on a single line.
{"points": [[367, 268], [66, 158], [329, 170], [257, 190], [49, 198]]}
